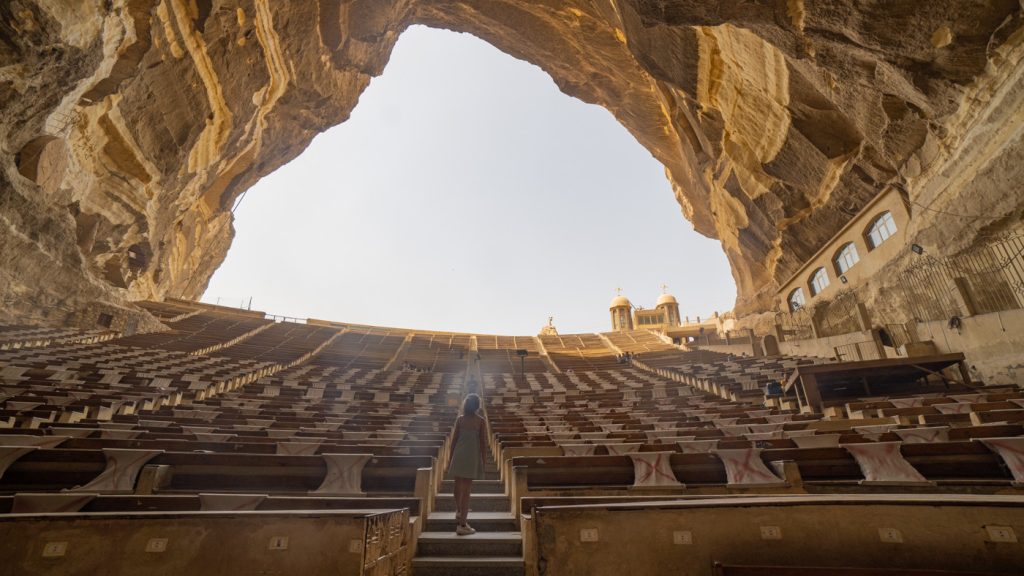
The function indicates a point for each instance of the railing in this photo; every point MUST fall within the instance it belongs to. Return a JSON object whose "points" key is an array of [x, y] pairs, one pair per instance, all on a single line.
{"points": [[866, 350], [730, 338], [840, 315], [277, 318], [385, 547], [984, 279], [899, 335], [795, 325], [738, 337], [989, 278], [710, 338], [929, 290]]}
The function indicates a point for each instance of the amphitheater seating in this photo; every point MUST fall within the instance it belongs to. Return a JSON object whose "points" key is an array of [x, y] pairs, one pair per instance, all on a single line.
{"points": [[201, 331], [13, 337], [498, 354], [171, 310], [282, 343], [438, 352], [819, 534], [87, 503], [77, 412], [360, 348], [676, 358], [641, 342], [579, 352], [230, 411], [731, 570], [732, 378]]}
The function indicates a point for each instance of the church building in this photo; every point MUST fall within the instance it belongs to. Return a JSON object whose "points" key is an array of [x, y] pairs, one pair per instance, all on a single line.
{"points": [[663, 316]]}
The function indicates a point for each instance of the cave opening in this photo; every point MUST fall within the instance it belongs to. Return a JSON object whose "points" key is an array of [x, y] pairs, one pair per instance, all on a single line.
{"points": [[467, 193]]}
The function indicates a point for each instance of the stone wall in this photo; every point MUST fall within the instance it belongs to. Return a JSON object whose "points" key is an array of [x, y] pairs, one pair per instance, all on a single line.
{"points": [[737, 349], [128, 128], [992, 344], [823, 347]]}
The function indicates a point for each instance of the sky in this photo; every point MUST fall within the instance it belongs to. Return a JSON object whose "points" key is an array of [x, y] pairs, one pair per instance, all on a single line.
{"points": [[467, 193]]}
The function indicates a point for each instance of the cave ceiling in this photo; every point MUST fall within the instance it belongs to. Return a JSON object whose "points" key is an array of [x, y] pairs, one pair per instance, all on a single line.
{"points": [[128, 128]]}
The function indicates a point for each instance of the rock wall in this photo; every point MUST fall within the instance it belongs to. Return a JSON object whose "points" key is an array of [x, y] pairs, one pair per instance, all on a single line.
{"points": [[128, 128]]}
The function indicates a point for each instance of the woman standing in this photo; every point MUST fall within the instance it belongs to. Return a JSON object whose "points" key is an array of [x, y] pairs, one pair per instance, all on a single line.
{"points": [[469, 451]]}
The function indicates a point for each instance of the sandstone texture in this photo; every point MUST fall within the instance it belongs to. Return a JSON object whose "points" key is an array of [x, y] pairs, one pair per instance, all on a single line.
{"points": [[128, 128]]}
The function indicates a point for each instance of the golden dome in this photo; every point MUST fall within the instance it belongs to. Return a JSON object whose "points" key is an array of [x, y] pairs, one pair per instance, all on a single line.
{"points": [[619, 301], [666, 299]]}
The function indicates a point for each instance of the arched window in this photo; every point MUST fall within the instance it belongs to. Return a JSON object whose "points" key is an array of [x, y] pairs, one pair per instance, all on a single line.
{"points": [[846, 258], [881, 229], [796, 300], [819, 281]]}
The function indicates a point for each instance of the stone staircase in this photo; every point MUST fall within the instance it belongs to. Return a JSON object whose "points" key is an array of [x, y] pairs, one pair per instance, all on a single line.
{"points": [[495, 550]]}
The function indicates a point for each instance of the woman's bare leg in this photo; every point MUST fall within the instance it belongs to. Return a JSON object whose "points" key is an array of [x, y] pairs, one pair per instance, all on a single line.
{"points": [[466, 490], [457, 492], [460, 509]]}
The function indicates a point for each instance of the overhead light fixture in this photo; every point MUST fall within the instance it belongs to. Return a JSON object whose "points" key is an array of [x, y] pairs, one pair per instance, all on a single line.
{"points": [[916, 249]]}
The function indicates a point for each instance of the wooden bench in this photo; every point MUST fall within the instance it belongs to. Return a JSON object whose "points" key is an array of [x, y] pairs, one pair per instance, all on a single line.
{"points": [[243, 447], [196, 503], [167, 472], [249, 542], [196, 472], [734, 570], [945, 463]]}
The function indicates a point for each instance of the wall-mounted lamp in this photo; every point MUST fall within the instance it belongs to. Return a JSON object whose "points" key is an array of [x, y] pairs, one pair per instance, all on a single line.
{"points": [[916, 249], [843, 279]]}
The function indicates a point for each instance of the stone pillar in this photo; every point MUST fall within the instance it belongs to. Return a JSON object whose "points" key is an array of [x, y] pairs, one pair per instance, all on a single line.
{"points": [[863, 319], [963, 297], [877, 339], [911, 326], [815, 325], [780, 334], [755, 344]]}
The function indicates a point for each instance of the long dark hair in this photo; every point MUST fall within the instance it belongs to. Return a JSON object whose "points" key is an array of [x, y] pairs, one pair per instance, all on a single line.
{"points": [[470, 405]]}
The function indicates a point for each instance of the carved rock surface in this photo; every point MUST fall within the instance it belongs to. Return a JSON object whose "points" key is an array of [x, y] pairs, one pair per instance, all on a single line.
{"points": [[128, 128]]}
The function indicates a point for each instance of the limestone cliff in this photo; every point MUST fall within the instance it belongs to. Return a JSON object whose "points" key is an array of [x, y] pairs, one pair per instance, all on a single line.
{"points": [[128, 128]]}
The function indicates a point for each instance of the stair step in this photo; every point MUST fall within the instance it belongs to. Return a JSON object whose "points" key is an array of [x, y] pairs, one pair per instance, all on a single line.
{"points": [[482, 521], [477, 503], [479, 544], [479, 487], [489, 476], [468, 566]]}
